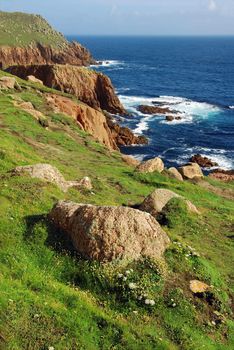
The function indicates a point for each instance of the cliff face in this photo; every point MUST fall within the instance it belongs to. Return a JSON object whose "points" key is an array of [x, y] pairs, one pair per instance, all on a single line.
{"points": [[74, 54], [94, 89], [88, 119]]}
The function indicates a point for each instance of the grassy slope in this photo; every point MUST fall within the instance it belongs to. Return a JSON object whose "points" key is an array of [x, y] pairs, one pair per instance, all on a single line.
{"points": [[21, 29], [50, 297]]}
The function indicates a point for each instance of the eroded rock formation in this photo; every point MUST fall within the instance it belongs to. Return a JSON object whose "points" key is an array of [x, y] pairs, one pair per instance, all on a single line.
{"points": [[94, 89], [70, 53]]}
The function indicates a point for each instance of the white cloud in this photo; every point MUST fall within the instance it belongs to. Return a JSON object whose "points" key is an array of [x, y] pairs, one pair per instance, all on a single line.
{"points": [[212, 5]]}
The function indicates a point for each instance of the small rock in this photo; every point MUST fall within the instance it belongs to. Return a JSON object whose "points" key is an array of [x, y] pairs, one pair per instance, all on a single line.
{"points": [[34, 79], [198, 287], [130, 160]]}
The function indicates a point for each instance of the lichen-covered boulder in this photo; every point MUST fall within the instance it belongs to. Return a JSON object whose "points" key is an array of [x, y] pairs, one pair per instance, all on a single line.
{"points": [[159, 198], [191, 171], [108, 233], [151, 165]]}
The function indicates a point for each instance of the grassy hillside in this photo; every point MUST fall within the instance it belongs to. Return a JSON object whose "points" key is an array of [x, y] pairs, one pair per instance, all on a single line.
{"points": [[21, 29], [51, 298]]}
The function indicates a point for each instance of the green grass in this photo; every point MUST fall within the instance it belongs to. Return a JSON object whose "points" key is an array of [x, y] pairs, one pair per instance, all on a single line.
{"points": [[49, 296], [21, 29]]}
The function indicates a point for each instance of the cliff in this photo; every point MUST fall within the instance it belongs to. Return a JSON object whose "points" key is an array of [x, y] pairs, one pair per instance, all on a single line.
{"points": [[94, 89], [29, 39]]}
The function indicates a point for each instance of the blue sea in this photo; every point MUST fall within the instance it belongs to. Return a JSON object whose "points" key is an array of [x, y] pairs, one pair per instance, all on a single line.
{"points": [[192, 76]]}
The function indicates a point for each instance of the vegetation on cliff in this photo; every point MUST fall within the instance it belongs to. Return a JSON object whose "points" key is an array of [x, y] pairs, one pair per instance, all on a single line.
{"points": [[29, 39], [50, 298]]}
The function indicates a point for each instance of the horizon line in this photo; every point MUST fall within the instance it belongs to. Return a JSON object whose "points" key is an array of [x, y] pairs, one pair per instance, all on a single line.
{"points": [[156, 35]]}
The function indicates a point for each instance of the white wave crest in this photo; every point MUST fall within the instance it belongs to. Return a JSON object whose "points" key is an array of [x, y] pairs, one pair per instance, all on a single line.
{"points": [[181, 107], [231, 107], [107, 63]]}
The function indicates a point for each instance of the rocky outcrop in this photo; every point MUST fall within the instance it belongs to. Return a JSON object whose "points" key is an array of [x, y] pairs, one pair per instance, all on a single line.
{"points": [[153, 110], [159, 198], [149, 166], [174, 173], [191, 171], [48, 173], [222, 175], [37, 54], [110, 233], [123, 136], [88, 119], [203, 162], [94, 89]]}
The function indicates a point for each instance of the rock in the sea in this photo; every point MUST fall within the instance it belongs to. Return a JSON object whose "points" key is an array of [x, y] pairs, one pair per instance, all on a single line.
{"points": [[198, 287], [174, 173], [51, 174], [170, 118], [151, 165], [34, 79], [153, 109], [203, 162], [159, 198], [110, 233], [191, 171], [93, 88], [222, 175], [130, 160], [7, 83]]}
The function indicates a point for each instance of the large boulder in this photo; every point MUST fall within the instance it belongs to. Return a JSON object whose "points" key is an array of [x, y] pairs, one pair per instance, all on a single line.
{"points": [[174, 173], [159, 198], [149, 166], [48, 173], [110, 233], [191, 171]]}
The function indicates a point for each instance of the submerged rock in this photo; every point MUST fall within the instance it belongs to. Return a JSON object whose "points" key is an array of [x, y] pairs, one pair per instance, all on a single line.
{"points": [[51, 174], [151, 165], [110, 233]]}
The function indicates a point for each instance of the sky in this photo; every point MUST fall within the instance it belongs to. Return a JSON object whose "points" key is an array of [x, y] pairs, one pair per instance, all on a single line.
{"points": [[132, 17]]}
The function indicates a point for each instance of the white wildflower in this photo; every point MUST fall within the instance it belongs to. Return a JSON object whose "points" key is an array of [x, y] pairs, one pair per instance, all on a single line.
{"points": [[152, 302], [120, 275], [127, 272], [132, 285], [174, 305], [124, 278], [147, 301], [51, 348]]}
